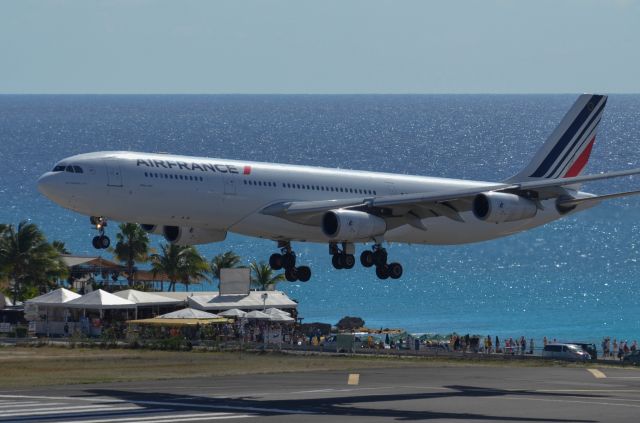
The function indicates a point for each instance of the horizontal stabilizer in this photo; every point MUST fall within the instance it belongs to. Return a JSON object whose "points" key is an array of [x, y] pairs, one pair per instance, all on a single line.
{"points": [[576, 201]]}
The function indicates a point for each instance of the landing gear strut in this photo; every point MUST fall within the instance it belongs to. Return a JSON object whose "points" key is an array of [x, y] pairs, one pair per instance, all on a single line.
{"points": [[286, 260], [100, 241], [378, 257]]}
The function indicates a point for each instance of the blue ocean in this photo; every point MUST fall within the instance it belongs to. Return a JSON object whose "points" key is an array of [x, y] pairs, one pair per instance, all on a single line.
{"points": [[576, 278]]}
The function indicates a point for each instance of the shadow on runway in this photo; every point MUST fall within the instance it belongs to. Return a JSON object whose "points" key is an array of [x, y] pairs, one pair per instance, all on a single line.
{"points": [[340, 406]]}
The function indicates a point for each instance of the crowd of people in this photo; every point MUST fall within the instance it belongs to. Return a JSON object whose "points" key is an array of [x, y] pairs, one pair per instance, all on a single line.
{"points": [[617, 349]]}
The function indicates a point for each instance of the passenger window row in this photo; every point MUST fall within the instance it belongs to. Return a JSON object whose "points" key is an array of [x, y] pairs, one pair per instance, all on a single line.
{"points": [[311, 187], [172, 176]]}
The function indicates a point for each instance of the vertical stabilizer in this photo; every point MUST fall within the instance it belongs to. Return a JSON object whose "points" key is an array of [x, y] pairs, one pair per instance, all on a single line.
{"points": [[567, 150]]}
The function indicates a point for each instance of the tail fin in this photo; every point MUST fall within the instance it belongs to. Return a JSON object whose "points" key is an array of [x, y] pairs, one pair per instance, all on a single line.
{"points": [[567, 150]]}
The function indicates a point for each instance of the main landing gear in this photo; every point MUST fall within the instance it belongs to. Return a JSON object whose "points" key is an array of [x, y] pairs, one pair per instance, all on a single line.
{"points": [[287, 260], [342, 256], [378, 258], [100, 241]]}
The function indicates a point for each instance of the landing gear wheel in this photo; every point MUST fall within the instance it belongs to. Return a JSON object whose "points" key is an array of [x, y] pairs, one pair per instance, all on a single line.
{"points": [[275, 261], [366, 258], [303, 273], [291, 274], [104, 241], [394, 270], [349, 261], [336, 261], [380, 257], [96, 242], [289, 261], [382, 272]]}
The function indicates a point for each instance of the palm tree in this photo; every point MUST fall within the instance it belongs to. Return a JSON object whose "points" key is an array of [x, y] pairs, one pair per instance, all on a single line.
{"points": [[60, 247], [226, 260], [179, 263], [27, 259], [263, 277], [192, 266], [167, 262], [132, 246]]}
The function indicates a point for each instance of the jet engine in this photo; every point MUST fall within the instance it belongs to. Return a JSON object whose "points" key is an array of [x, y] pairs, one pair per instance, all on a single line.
{"points": [[351, 225], [184, 235], [151, 229], [498, 207]]}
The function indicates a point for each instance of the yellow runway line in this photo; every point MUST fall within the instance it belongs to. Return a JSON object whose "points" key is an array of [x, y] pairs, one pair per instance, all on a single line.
{"points": [[597, 373], [354, 379]]}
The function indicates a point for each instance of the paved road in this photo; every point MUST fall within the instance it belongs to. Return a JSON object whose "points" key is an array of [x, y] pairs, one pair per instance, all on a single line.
{"points": [[445, 394]]}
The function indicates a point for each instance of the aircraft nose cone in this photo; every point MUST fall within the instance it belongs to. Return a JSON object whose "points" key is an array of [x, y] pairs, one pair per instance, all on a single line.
{"points": [[46, 185]]}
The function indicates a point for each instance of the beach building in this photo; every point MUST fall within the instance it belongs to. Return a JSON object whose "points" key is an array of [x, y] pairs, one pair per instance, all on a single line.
{"points": [[63, 312]]}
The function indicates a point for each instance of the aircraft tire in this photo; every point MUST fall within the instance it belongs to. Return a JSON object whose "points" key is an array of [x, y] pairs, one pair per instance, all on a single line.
{"points": [[382, 272], [304, 273], [395, 270], [366, 258], [288, 261], [380, 257], [291, 274], [349, 261], [96, 242], [104, 241], [275, 261], [335, 260]]}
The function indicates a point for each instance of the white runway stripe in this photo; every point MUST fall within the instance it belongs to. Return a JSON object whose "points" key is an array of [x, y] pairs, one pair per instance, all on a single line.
{"points": [[67, 410], [14, 404], [168, 418]]}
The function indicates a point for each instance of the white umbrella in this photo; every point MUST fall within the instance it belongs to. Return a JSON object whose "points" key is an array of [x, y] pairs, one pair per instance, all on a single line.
{"points": [[258, 315], [281, 318], [233, 312], [273, 311], [188, 313]]}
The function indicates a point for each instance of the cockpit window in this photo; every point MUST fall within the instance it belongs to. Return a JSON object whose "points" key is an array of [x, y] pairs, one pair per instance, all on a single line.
{"points": [[69, 169], [77, 169], [59, 168]]}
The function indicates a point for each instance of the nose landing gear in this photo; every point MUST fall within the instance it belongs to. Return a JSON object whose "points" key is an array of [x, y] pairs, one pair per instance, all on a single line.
{"points": [[101, 241], [286, 260]]}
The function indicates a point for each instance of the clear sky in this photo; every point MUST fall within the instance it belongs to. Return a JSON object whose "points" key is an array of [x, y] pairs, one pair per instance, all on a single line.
{"points": [[322, 46]]}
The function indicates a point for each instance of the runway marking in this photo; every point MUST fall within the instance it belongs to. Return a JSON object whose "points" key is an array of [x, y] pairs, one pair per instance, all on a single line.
{"points": [[572, 401], [67, 410], [354, 379], [14, 404], [170, 418], [597, 373], [165, 404]]}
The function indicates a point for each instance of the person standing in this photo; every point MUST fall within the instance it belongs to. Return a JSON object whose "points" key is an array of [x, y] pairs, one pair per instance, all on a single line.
{"points": [[615, 347], [531, 346]]}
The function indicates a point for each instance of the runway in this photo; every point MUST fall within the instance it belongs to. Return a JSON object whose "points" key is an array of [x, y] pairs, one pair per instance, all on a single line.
{"points": [[441, 394]]}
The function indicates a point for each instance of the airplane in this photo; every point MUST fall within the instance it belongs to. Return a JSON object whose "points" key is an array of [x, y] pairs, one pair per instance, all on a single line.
{"points": [[198, 200]]}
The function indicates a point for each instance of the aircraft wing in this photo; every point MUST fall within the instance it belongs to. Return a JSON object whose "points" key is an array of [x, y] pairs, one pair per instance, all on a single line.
{"points": [[410, 208]]}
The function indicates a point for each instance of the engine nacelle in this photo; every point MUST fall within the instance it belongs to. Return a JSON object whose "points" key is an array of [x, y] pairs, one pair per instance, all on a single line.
{"points": [[151, 229], [499, 207], [351, 225], [184, 235]]}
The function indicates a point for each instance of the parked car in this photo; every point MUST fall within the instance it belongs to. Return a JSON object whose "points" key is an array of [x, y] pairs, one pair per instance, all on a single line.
{"points": [[588, 347], [632, 358], [342, 342], [565, 352]]}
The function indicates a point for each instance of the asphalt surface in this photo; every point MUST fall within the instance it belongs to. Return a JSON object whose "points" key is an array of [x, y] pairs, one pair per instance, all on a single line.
{"points": [[442, 394]]}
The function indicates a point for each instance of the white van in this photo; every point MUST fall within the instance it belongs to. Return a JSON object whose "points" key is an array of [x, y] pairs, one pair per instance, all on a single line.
{"points": [[565, 352]]}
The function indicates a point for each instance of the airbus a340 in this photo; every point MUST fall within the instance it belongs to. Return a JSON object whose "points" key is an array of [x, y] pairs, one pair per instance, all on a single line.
{"points": [[197, 200]]}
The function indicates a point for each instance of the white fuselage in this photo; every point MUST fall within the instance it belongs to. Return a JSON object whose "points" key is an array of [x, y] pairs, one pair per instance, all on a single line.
{"points": [[227, 195]]}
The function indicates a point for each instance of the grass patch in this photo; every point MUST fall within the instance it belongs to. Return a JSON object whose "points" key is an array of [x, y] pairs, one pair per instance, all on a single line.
{"points": [[29, 367]]}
